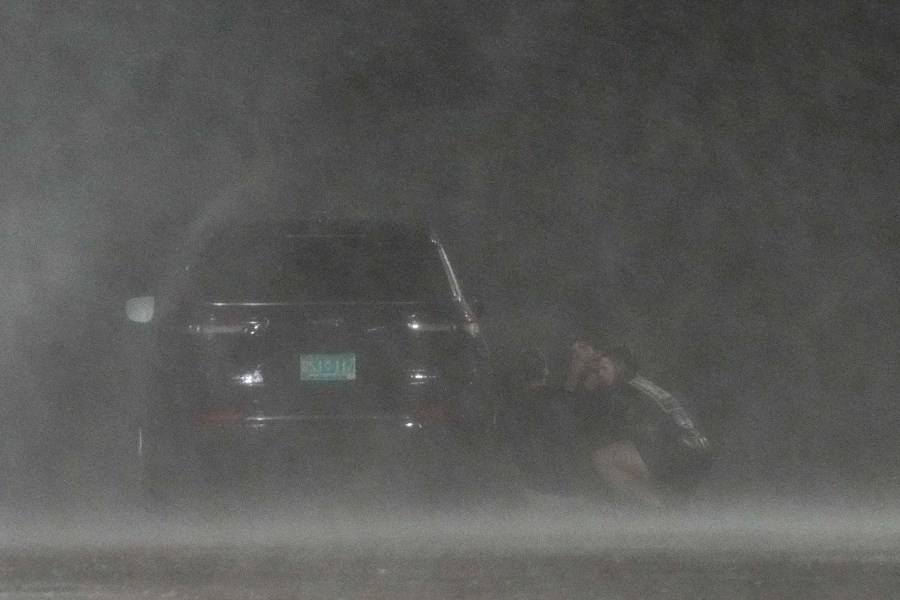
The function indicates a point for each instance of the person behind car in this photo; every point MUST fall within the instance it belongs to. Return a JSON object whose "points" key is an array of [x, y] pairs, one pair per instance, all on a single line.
{"points": [[568, 419], [610, 420]]}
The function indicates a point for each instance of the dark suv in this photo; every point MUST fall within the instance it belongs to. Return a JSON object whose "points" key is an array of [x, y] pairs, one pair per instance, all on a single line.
{"points": [[294, 345]]}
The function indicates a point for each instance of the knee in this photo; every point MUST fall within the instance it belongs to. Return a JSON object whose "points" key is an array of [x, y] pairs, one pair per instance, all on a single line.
{"points": [[620, 461]]}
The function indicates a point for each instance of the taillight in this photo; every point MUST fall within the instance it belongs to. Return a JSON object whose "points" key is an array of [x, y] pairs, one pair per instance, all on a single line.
{"points": [[229, 326], [423, 376], [221, 415], [425, 324], [248, 378]]}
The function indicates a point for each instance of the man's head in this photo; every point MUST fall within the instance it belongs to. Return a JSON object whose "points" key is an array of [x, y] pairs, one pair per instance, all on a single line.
{"points": [[602, 371], [623, 358], [603, 364]]}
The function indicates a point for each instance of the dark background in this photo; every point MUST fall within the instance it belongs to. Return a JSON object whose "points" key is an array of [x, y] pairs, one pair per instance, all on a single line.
{"points": [[715, 182]]}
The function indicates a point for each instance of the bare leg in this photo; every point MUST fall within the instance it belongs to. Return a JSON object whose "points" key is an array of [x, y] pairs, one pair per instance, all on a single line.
{"points": [[620, 465]]}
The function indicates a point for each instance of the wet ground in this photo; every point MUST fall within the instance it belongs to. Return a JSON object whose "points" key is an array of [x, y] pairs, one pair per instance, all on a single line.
{"points": [[554, 549], [175, 573]]}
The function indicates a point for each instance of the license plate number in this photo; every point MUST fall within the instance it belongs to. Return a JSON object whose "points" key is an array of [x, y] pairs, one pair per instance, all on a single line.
{"points": [[328, 367]]}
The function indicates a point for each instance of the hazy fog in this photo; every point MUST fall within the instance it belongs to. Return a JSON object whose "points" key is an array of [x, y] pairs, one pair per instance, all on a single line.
{"points": [[714, 183]]}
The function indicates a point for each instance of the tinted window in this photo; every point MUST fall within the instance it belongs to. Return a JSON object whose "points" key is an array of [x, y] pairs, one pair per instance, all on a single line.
{"points": [[322, 269]]}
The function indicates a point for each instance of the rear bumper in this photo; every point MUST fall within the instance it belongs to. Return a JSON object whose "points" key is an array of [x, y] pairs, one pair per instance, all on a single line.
{"points": [[302, 441], [181, 448]]}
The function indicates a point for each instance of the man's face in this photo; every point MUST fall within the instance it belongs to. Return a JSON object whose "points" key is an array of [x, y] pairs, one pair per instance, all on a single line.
{"points": [[601, 372]]}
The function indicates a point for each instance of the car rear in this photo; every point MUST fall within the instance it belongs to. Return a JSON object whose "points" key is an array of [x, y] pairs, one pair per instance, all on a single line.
{"points": [[290, 349]]}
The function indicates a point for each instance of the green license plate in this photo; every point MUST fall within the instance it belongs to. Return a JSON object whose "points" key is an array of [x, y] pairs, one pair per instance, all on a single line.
{"points": [[328, 367]]}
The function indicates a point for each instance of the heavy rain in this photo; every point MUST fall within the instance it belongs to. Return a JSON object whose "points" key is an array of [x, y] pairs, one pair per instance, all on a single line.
{"points": [[715, 184]]}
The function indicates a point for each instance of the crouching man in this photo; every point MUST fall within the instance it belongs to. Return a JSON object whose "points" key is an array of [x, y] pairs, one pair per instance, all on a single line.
{"points": [[591, 417], [638, 439], [607, 419]]}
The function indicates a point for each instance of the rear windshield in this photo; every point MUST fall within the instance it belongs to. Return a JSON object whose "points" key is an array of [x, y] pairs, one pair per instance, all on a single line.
{"points": [[321, 269]]}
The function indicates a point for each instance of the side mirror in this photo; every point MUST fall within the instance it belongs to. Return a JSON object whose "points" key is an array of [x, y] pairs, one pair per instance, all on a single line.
{"points": [[140, 310]]}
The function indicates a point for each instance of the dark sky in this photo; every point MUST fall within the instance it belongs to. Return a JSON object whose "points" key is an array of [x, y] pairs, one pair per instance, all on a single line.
{"points": [[717, 182]]}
